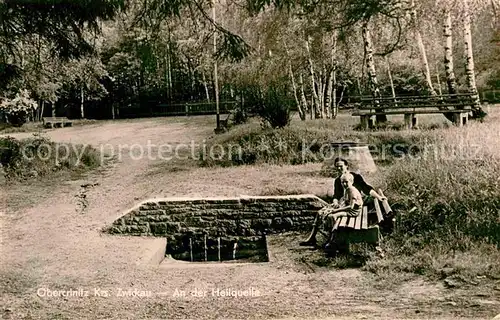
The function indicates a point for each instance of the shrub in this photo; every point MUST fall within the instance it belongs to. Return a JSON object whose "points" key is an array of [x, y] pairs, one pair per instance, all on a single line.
{"points": [[276, 106], [272, 104], [37, 156], [10, 152], [17, 108]]}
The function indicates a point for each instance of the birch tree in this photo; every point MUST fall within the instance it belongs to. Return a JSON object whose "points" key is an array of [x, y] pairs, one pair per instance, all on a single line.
{"points": [[448, 53], [421, 48], [469, 62], [370, 66]]}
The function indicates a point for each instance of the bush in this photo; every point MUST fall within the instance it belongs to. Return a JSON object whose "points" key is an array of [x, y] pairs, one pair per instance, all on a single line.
{"points": [[272, 104], [37, 156], [276, 107], [17, 108], [10, 152]]}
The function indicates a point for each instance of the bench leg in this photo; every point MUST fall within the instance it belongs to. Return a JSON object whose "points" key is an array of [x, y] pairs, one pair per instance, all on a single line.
{"points": [[460, 119], [365, 122], [409, 121], [372, 122]]}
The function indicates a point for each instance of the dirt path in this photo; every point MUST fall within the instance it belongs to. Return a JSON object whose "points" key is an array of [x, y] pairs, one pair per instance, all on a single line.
{"points": [[55, 243]]}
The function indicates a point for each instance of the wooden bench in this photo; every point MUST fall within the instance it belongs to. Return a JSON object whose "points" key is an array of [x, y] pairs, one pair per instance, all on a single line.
{"points": [[410, 106], [224, 123], [56, 121], [348, 230]]}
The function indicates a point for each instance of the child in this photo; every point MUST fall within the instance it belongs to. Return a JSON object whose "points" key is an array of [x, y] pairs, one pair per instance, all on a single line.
{"points": [[353, 199]]}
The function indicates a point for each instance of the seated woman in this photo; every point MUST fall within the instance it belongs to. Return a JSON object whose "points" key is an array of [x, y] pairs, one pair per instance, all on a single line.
{"points": [[358, 182]]}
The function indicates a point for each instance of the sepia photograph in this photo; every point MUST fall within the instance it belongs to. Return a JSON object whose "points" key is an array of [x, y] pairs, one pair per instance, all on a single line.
{"points": [[250, 159]]}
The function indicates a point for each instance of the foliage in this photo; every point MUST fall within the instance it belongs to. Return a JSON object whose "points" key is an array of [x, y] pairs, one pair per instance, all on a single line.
{"points": [[276, 106], [38, 156], [10, 152], [62, 22], [17, 109]]}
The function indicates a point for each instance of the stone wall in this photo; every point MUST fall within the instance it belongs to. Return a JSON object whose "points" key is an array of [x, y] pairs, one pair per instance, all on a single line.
{"points": [[238, 216]]}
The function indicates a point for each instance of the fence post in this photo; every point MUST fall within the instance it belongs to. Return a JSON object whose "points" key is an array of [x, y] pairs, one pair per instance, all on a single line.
{"points": [[218, 248], [191, 248], [205, 246]]}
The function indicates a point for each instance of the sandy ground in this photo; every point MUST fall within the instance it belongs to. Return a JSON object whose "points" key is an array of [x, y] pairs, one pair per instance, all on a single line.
{"points": [[51, 241]]}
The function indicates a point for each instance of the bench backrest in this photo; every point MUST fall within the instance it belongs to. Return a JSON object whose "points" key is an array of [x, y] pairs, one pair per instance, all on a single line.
{"points": [[417, 101]]}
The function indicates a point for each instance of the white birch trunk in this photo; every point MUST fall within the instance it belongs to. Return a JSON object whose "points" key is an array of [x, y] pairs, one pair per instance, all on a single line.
{"points": [[438, 78], [334, 96], [423, 55], [322, 94], [448, 55], [469, 58], [329, 90], [82, 99], [330, 86], [303, 96], [205, 85], [294, 88], [370, 65], [315, 104], [216, 79], [389, 73]]}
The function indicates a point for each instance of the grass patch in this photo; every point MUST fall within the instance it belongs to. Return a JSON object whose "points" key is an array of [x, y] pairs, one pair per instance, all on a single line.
{"points": [[299, 144], [37, 157], [436, 260], [444, 181], [27, 127]]}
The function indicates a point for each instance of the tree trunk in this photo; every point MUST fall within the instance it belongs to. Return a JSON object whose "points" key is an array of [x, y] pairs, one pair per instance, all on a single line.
{"points": [[329, 91], [41, 110], [370, 65], [205, 85], [423, 54], [340, 100], [334, 96], [313, 82], [438, 78], [448, 60], [216, 79], [303, 95], [333, 90], [82, 99], [448, 55], [477, 112], [302, 115], [322, 79], [330, 85], [389, 73], [53, 109], [302, 112]]}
